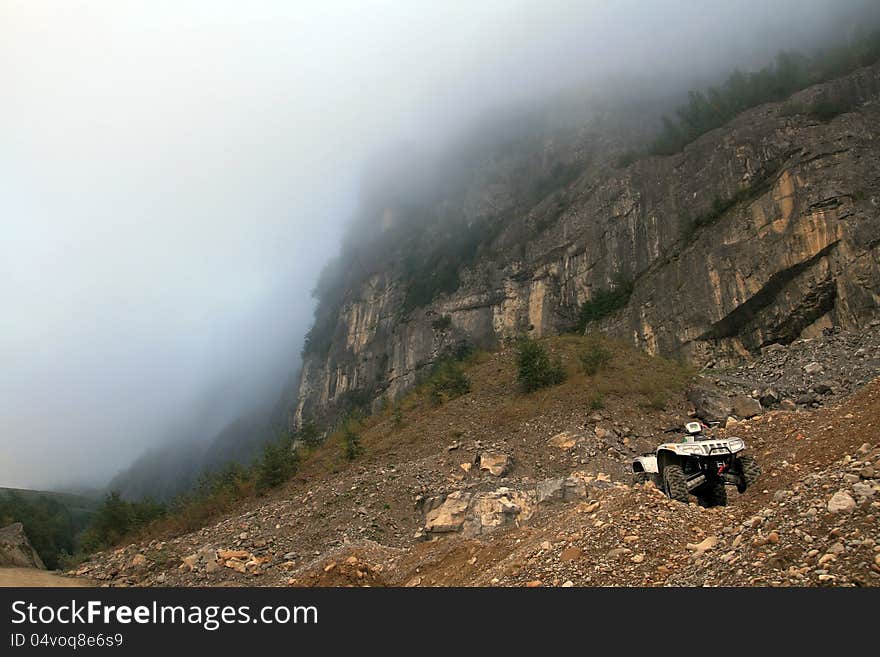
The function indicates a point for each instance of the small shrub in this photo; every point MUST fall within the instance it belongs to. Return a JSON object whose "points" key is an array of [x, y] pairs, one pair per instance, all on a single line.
{"points": [[70, 561], [115, 518], [658, 399], [448, 381], [604, 302], [442, 323], [625, 159], [309, 434], [351, 439], [597, 401], [277, 463], [595, 357], [824, 109], [535, 368], [397, 416], [357, 401]]}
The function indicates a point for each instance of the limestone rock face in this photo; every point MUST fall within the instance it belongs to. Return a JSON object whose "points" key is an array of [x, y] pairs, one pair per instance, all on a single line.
{"points": [[786, 246], [16, 550]]}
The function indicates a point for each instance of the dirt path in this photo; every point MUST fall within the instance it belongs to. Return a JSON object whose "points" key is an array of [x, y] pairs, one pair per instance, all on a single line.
{"points": [[33, 577]]}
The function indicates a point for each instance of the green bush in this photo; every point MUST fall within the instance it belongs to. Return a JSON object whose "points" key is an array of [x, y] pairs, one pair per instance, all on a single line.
{"points": [[597, 401], [824, 109], [351, 439], [658, 399], [397, 416], [277, 463], [604, 302], [448, 381], [442, 323], [626, 158], [559, 177], [309, 434], [116, 518], [51, 522], [535, 368], [435, 260], [595, 357]]}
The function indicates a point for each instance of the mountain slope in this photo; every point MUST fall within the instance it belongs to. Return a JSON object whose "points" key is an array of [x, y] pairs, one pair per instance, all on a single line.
{"points": [[422, 506], [759, 232]]}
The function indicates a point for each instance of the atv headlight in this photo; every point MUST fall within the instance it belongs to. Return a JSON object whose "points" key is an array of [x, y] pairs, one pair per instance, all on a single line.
{"points": [[691, 449], [736, 444]]}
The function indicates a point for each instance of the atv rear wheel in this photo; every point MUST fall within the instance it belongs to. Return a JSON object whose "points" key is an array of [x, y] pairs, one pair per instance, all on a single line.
{"points": [[713, 493], [639, 478], [675, 483], [749, 471]]}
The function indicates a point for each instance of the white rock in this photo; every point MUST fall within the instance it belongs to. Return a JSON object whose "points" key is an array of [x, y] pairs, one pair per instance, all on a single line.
{"points": [[812, 368], [841, 502]]}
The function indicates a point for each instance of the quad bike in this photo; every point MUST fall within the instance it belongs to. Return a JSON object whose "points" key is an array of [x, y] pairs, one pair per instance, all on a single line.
{"points": [[699, 465]]}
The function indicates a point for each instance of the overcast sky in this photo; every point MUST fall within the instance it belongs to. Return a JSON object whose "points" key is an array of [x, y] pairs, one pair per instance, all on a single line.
{"points": [[173, 175]]}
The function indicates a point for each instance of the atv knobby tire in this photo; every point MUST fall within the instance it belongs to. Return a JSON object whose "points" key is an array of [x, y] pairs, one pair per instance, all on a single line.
{"points": [[675, 483], [749, 471], [713, 493], [639, 478]]}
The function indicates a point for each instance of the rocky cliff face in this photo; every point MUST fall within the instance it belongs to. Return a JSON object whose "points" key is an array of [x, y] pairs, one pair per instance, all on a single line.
{"points": [[760, 232], [16, 549]]}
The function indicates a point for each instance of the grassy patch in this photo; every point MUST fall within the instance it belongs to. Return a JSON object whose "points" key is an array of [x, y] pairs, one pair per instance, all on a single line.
{"points": [[595, 355], [448, 381]]}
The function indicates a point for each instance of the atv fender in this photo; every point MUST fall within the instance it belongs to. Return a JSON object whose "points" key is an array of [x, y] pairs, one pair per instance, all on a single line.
{"points": [[664, 457], [645, 464]]}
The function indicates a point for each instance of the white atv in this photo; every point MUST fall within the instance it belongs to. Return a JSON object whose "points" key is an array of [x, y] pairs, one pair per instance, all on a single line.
{"points": [[700, 465]]}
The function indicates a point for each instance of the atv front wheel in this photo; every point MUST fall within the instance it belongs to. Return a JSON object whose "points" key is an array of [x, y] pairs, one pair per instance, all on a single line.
{"points": [[675, 483], [749, 471], [713, 493]]}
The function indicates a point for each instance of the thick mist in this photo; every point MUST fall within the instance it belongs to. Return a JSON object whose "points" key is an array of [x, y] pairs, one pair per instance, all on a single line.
{"points": [[173, 175]]}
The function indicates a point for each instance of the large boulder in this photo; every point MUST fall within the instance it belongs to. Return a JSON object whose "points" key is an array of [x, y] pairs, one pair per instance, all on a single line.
{"points": [[564, 441], [478, 513], [492, 509], [745, 407], [841, 502], [561, 489], [495, 463], [16, 550], [449, 516], [709, 404]]}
